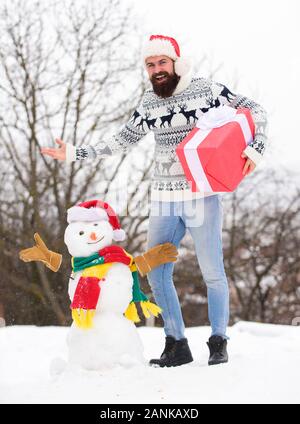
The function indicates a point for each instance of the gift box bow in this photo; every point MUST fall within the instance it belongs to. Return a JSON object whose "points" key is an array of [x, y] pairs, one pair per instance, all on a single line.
{"points": [[211, 153]]}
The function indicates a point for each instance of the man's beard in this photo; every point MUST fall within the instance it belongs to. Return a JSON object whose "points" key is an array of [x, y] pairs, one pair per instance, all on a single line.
{"points": [[167, 87]]}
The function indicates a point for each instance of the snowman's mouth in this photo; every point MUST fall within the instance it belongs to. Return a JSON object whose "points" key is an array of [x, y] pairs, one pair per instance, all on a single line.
{"points": [[97, 241]]}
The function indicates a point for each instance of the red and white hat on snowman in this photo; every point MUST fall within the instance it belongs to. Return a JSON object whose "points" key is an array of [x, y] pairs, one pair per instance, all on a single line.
{"points": [[162, 45], [96, 210]]}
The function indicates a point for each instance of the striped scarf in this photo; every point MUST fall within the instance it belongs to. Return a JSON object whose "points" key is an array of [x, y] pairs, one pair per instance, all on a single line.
{"points": [[94, 268]]}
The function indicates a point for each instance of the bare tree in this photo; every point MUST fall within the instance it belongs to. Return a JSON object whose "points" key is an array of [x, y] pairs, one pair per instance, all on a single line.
{"points": [[262, 236], [64, 72]]}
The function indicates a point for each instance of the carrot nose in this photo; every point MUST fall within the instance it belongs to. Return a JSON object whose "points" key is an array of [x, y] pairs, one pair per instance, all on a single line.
{"points": [[93, 236]]}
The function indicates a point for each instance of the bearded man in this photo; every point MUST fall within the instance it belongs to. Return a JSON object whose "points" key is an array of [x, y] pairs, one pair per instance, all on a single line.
{"points": [[171, 108]]}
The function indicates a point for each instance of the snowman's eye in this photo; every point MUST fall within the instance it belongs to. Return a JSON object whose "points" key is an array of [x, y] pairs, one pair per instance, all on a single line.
{"points": [[95, 225], [81, 233]]}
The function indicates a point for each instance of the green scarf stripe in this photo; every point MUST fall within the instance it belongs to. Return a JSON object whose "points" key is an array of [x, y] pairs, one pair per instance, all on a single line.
{"points": [[81, 263], [137, 294]]}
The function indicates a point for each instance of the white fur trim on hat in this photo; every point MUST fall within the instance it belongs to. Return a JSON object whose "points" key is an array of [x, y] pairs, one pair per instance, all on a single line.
{"points": [[79, 213], [183, 66], [119, 235], [184, 81], [159, 47]]}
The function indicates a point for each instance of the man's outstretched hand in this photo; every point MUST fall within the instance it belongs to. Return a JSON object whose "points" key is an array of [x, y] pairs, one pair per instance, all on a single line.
{"points": [[40, 252], [59, 153], [156, 256]]}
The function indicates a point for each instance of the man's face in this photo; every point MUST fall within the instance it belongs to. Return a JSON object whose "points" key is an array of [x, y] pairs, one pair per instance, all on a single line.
{"points": [[161, 73]]}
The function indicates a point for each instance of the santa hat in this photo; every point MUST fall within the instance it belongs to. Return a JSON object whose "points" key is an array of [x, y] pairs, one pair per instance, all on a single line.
{"points": [[96, 210], [161, 45]]}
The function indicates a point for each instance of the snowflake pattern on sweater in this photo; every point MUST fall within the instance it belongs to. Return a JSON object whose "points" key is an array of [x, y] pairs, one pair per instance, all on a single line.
{"points": [[171, 119]]}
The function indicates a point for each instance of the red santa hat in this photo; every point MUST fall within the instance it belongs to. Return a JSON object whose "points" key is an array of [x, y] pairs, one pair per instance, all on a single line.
{"points": [[161, 45], [96, 210]]}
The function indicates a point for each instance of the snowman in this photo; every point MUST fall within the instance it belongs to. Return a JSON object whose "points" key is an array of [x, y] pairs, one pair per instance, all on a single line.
{"points": [[103, 287]]}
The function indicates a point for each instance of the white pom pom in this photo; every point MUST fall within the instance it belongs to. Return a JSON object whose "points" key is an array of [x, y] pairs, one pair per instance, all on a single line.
{"points": [[119, 235], [183, 66]]}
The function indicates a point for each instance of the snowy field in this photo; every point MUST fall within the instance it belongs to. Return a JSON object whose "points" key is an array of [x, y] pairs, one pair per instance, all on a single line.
{"points": [[264, 367]]}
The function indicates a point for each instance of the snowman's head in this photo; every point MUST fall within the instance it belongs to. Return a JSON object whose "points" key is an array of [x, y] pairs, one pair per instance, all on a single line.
{"points": [[93, 225], [85, 238]]}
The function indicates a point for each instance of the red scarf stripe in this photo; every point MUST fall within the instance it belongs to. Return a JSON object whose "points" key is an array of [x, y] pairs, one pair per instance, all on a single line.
{"points": [[87, 293]]}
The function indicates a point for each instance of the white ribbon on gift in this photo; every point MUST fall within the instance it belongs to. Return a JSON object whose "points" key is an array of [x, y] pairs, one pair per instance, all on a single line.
{"points": [[214, 118]]}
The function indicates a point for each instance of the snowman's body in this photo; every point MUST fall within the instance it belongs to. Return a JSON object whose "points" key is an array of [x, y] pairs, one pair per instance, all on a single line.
{"points": [[113, 339]]}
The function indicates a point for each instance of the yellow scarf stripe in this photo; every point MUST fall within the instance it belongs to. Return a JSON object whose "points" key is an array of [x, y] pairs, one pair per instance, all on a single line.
{"points": [[83, 318], [89, 318], [133, 267], [98, 271], [145, 310], [75, 317], [131, 313], [148, 308], [129, 256]]}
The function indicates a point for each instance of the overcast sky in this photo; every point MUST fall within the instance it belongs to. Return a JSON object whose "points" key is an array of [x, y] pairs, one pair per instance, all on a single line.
{"points": [[256, 41]]}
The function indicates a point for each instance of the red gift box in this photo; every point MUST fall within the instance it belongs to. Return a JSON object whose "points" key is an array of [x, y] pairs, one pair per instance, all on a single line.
{"points": [[211, 153]]}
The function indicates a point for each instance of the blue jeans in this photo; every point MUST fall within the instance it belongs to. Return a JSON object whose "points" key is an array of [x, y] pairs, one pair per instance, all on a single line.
{"points": [[203, 218]]}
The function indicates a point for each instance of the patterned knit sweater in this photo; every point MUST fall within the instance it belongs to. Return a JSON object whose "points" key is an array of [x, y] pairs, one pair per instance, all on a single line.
{"points": [[171, 119]]}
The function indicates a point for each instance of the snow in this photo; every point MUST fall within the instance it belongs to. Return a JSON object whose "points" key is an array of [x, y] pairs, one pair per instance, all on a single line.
{"points": [[263, 368]]}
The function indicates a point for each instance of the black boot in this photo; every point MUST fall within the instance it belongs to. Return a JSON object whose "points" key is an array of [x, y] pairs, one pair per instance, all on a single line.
{"points": [[217, 350], [176, 352]]}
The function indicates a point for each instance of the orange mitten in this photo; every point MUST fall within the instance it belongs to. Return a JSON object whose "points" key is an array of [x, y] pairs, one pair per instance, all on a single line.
{"points": [[41, 253], [156, 256]]}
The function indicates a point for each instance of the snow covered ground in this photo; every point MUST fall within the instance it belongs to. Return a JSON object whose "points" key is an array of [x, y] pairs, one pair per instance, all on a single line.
{"points": [[264, 367]]}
